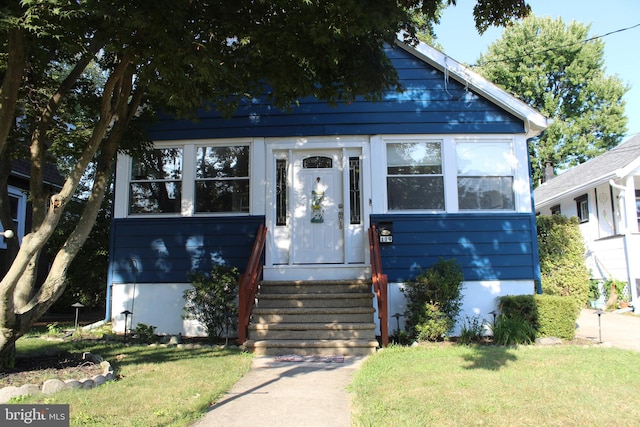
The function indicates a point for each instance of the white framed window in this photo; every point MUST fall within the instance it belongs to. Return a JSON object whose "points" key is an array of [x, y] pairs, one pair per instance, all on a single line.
{"points": [[485, 175], [582, 207], [415, 175], [222, 179], [155, 185]]}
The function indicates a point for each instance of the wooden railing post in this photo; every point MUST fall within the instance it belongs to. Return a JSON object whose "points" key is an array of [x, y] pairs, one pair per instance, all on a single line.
{"points": [[248, 284], [380, 285]]}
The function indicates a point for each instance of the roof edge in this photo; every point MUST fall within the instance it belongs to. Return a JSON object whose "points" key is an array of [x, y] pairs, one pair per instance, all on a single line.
{"points": [[534, 121]]}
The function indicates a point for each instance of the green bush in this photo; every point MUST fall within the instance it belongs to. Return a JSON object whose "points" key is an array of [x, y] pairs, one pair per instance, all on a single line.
{"points": [[212, 300], [548, 315], [471, 330], [145, 334], [556, 317], [434, 299], [562, 262], [512, 331]]}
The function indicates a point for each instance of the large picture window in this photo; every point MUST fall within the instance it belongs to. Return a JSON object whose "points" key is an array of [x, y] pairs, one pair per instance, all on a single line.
{"points": [[156, 182], [222, 179], [485, 175], [414, 176]]}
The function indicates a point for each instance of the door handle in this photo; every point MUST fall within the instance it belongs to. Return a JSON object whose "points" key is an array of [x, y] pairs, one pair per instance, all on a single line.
{"points": [[341, 219]]}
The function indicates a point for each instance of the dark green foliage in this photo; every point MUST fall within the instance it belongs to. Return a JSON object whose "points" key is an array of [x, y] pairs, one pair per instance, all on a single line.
{"points": [[434, 299], [145, 334], [522, 306], [512, 331], [565, 80], [556, 317], [211, 301], [562, 263], [548, 315], [471, 330]]}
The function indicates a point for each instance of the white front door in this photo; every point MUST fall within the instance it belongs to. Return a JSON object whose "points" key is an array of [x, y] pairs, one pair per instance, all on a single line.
{"points": [[318, 208]]}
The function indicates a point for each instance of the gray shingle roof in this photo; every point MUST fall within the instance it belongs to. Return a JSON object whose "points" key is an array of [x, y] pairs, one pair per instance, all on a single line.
{"points": [[592, 173]]}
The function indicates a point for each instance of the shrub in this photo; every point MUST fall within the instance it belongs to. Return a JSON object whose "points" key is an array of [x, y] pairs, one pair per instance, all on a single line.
{"points": [[145, 334], [615, 291], [556, 317], [548, 315], [434, 299], [212, 300], [512, 331], [472, 330], [562, 262]]}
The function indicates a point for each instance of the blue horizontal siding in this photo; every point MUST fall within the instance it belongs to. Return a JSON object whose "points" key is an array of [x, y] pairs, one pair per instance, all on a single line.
{"points": [[488, 247], [428, 105], [160, 246]]}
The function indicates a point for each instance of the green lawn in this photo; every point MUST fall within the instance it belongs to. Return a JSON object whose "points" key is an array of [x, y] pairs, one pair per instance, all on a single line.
{"points": [[156, 386], [446, 385]]}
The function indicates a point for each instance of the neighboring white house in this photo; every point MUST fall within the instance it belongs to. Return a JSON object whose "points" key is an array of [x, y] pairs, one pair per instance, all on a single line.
{"points": [[604, 193]]}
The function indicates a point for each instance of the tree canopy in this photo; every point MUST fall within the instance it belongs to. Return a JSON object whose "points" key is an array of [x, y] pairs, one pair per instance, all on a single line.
{"points": [[78, 76], [555, 68]]}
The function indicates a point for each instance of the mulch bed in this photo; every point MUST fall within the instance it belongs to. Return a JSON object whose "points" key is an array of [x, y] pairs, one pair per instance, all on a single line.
{"points": [[38, 369]]}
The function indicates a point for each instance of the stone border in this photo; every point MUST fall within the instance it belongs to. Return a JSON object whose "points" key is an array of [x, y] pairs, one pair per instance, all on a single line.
{"points": [[55, 385]]}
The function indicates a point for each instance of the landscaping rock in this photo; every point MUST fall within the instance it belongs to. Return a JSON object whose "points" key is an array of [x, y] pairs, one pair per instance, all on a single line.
{"points": [[53, 386], [87, 383], [548, 341], [73, 384], [29, 389], [99, 380], [8, 392]]}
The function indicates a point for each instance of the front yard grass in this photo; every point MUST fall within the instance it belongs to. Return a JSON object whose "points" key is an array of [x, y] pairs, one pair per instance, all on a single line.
{"points": [[156, 386], [449, 385]]}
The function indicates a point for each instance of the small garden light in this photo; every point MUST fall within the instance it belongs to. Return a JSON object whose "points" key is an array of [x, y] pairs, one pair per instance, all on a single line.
{"points": [[77, 306], [8, 234], [126, 319], [599, 313], [397, 316]]}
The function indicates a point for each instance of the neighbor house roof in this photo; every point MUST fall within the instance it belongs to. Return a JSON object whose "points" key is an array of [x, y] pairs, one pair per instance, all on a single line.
{"points": [[613, 164]]}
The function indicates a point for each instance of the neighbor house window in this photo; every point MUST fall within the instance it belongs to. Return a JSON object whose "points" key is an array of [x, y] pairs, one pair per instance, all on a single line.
{"points": [[414, 176], [222, 179], [555, 210], [485, 175], [582, 207], [156, 182], [18, 210]]}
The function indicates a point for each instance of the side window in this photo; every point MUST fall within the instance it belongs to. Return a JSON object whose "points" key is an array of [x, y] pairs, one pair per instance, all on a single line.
{"points": [[18, 208], [485, 175], [555, 210], [415, 176], [222, 179], [156, 182], [582, 207]]}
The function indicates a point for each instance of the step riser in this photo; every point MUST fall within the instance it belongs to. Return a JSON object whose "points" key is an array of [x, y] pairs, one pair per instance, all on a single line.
{"points": [[313, 318], [314, 289], [316, 303], [312, 335], [306, 351]]}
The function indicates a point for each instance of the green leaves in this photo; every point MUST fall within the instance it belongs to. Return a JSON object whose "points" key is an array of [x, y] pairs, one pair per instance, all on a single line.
{"points": [[551, 66]]}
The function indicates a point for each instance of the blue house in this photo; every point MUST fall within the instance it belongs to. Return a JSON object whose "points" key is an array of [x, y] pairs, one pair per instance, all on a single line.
{"points": [[442, 167]]}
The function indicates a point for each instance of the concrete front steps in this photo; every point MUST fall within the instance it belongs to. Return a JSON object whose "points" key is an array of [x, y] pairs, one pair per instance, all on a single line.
{"points": [[313, 318]]}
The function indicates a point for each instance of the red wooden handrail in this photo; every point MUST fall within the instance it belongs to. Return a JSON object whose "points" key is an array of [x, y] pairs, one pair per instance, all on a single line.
{"points": [[380, 283], [248, 284]]}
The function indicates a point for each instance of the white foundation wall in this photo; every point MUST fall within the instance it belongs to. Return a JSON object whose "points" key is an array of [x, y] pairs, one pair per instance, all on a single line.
{"points": [[480, 299], [159, 305]]}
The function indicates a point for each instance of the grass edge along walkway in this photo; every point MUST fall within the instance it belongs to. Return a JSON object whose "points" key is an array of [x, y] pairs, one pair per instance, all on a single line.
{"points": [[455, 385]]}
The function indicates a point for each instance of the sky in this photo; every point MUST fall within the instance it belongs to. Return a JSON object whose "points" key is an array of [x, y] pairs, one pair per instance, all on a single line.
{"points": [[459, 39]]}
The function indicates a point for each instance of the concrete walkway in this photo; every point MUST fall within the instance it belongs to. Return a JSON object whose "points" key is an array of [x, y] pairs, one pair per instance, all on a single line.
{"points": [[287, 394], [313, 393], [614, 329]]}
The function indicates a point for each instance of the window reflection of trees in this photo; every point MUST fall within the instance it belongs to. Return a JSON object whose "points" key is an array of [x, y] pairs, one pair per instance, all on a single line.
{"points": [[156, 185], [222, 179]]}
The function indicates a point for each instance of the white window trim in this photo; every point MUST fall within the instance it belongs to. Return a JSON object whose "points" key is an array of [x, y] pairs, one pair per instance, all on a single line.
{"points": [[187, 204], [521, 185]]}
